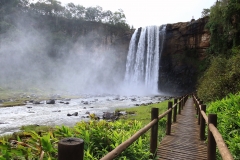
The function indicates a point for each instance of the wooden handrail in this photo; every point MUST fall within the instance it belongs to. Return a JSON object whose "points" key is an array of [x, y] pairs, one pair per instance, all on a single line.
{"points": [[204, 116], [214, 137], [119, 149], [223, 149], [114, 153], [226, 155]]}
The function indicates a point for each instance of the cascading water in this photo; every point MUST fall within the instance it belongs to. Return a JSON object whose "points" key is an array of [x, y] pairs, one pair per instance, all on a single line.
{"points": [[142, 67]]}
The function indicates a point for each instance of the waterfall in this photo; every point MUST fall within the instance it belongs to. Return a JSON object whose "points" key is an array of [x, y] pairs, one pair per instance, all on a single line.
{"points": [[142, 67]]}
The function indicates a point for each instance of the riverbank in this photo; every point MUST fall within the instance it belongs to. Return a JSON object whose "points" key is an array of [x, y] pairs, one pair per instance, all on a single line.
{"points": [[102, 135], [67, 111]]}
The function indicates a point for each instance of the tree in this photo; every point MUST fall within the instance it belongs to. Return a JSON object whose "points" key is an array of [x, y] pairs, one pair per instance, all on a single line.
{"points": [[75, 11], [224, 25], [118, 17], [107, 16], [94, 14], [205, 12], [48, 7], [80, 12]]}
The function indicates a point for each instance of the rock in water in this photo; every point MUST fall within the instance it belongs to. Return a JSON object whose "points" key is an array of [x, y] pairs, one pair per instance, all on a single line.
{"points": [[51, 101]]}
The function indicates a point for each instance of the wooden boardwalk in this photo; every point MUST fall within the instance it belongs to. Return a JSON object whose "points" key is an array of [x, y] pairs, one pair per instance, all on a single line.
{"points": [[183, 143]]}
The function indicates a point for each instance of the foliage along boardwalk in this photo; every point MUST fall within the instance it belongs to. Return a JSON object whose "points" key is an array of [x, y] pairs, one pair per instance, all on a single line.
{"points": [[184, 142]]}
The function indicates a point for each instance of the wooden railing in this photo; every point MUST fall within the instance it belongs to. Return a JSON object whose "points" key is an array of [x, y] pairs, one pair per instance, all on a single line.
{"points": [[67, 145], [70, 147], [214, 137], [154, 129]]}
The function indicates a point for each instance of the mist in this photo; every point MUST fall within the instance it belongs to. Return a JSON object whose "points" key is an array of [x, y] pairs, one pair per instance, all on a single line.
{"points": [[29, 60]]}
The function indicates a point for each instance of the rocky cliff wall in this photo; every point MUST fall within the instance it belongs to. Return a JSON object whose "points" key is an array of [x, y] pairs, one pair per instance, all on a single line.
{"points": [[184, 48]]}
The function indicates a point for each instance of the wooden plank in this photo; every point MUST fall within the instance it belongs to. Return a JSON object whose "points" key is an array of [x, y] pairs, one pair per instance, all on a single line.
{"points": [[183, 142]]}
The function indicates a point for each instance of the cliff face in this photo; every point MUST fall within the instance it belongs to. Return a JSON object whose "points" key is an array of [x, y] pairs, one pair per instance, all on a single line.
{"points": [[184, 48]]}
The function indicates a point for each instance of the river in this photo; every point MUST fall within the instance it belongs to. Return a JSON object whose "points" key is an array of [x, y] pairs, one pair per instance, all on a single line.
{"points": [[12, 118]]}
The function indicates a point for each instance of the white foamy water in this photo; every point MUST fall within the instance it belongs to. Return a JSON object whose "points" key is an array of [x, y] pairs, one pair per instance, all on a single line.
{"points": [[12, 118], [142, 67]]}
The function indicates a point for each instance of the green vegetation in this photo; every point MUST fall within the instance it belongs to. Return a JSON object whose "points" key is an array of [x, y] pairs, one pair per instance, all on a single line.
{"points": [[220, 79], [224, 26], [143, 113], [56, 12], [228, 112], [222, 76], [100, 137]]}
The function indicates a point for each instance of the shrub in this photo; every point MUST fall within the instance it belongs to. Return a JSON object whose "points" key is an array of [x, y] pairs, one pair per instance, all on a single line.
{"points": [[220, 79], [211, 84], [100, 137], [228, 112]]}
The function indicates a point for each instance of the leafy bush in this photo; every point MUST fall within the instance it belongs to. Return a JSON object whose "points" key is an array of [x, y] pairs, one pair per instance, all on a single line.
{"points": [[228, 113], [100, 137], [211, 84], [220, 79]]}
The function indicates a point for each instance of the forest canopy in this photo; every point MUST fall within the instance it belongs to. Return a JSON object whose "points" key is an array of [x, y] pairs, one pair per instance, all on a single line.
{"points": [[54, 8]]}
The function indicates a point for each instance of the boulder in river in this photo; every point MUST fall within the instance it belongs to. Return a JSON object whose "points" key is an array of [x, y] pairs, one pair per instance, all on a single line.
{"points": [[74, 114], [85, 102], [57, 111], [51, 101], [109, 116], [133, 99], [36, 102]]}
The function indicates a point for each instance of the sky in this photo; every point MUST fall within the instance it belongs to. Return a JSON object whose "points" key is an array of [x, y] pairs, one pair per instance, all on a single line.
{"points": [[141, 13]]}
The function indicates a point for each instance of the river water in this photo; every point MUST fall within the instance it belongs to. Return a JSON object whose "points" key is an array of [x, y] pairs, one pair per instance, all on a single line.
{"points": [[12, 118]]}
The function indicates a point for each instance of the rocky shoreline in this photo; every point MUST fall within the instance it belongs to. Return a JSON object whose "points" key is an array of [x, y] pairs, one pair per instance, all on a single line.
{"points": [[66, 111]]}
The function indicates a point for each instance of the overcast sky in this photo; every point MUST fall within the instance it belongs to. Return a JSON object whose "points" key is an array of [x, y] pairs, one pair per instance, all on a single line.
{"points": [[141, 13]]}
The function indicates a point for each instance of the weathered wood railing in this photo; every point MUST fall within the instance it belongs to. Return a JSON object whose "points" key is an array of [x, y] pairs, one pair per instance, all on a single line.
{"points": [[154, 129], [70, 147], [66, 146], [214, 137]]}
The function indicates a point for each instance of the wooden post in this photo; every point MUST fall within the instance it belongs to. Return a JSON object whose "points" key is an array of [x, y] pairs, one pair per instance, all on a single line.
{"points": [[211, 148], [186, 98], [202, 123], [70, 149], [199, 113], [182, 104], [197, 106], [179, 106], [169, 119], [175, 111], [154, 133]]}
